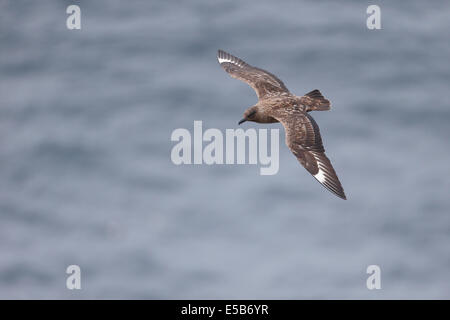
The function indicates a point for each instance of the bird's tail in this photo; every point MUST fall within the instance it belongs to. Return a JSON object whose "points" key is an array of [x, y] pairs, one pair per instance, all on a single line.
{"points": [[316, 101]]}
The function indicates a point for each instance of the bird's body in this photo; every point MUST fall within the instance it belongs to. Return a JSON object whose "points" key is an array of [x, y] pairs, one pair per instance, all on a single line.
{"points": [[277, 104]]}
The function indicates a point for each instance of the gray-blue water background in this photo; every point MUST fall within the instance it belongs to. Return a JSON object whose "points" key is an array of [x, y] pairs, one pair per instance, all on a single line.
{"points": [[85, 171]]}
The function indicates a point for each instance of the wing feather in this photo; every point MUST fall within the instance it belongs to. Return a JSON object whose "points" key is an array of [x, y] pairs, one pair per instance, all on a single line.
{"points": [[304, 140], [264, 83]]}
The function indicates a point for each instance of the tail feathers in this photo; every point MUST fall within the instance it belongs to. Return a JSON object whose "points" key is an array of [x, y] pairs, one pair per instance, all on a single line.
{"points": [[315, 101]]}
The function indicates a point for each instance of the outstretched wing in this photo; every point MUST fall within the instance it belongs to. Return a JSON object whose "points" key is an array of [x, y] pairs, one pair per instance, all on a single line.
{"points": [[264, 83], [304, 140]]}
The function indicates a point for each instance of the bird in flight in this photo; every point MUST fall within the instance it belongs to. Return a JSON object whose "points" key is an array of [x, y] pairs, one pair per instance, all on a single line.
{"points": [[277, 104]]}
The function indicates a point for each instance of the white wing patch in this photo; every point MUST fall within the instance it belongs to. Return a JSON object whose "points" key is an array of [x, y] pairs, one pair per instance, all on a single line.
{"points": [[221, 60], [326, 175], [321, 174], [226, 57]]}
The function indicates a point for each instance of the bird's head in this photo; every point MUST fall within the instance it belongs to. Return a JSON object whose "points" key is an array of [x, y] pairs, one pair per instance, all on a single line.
{"points": [[251, 114]]}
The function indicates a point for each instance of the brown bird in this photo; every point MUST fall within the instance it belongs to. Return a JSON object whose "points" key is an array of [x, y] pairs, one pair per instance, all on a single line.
{"points": [[277, 104]]}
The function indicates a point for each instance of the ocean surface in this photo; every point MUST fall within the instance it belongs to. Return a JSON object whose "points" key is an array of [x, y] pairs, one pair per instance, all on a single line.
{"points": [[86, 176]]}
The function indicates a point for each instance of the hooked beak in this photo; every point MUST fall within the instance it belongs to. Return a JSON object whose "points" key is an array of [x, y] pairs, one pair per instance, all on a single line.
{"points": [[242, 121]]}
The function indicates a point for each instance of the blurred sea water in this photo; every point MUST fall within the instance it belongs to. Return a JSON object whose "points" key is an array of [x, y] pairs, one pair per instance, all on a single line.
{"points": [[86, 176]]}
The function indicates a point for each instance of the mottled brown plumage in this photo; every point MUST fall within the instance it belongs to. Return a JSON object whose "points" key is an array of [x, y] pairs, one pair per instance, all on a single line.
{"points": [[277, 104]]}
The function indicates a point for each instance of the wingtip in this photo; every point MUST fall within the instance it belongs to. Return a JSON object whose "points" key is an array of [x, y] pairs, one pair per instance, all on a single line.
{"points": [[220, 55], [338, 193], [225, 57]]}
